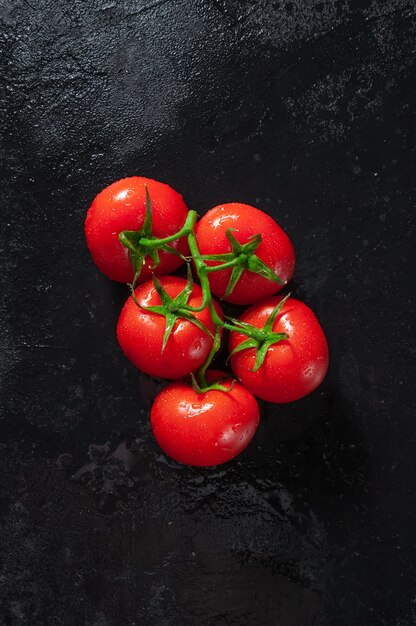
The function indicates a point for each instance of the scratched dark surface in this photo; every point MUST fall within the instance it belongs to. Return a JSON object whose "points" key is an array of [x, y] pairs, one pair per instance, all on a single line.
{"points": [[305, 109]]}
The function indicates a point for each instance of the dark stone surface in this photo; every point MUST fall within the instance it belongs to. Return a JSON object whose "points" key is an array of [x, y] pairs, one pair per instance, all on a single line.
{"points": [[306, 109]]}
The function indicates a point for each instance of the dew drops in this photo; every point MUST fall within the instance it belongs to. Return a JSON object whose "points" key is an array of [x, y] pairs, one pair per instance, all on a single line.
{"points": [[309, 371]]}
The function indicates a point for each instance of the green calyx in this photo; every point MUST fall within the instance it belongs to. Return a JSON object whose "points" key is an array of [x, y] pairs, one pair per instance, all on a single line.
{"points": [[177, 308], [142, 243], [174, 308], [258, 338], [242, 257]]}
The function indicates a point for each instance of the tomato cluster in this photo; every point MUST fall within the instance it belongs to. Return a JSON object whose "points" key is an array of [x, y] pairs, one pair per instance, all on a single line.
{"points": [[138, 231]]}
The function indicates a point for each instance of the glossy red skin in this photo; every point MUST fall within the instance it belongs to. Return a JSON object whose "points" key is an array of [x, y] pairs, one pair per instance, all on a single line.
{"points": [[275, 249], [204, 429], [121, 206], [293, 367], [140, 333]]}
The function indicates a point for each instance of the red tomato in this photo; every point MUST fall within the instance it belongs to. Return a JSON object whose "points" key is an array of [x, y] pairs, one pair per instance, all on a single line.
{"points": [[207, 428], [140, 333], [275, 250], [121, 206], [293, 367]]}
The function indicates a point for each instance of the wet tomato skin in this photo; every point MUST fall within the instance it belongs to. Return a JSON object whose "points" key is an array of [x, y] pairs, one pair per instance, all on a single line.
{"points": [[204, 429], [293, 367], [275, 250], [121, 206], [140, 333]]}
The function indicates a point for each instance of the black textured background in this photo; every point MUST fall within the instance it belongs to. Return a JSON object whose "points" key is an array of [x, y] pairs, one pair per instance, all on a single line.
{"points": [[306, 109]]}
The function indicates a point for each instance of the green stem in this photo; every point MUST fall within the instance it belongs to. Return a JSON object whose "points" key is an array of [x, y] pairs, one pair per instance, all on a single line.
{"points": [[132, 287], [223, 266], [201, 270], [184, 231], [201, 373], [200, 382]]}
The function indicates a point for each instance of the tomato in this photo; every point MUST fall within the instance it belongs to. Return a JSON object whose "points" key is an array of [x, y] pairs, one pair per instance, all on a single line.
{"points": [[141, 333], [293, 367], [121, 206], [275, 250], [207, 428]]}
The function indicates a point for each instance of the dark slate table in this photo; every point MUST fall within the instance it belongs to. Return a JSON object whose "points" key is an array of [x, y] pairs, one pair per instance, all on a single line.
{"points": [[306, 110]]}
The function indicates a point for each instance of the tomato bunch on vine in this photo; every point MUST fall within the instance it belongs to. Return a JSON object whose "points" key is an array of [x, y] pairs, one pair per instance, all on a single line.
{"points": [[139, 231]]}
